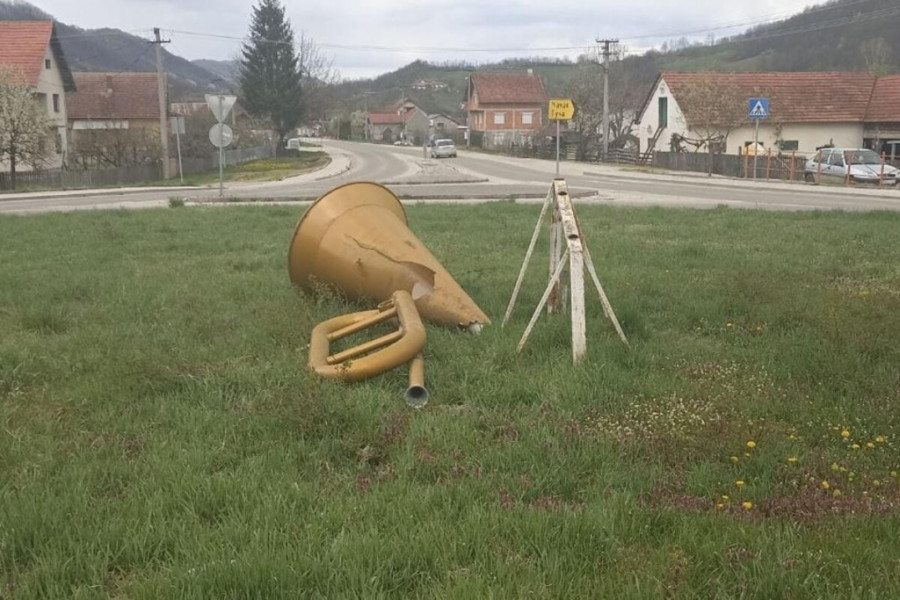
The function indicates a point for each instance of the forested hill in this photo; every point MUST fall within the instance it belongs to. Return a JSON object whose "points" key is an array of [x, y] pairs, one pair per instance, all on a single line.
{"points": [[843, 35], [112, 50]]}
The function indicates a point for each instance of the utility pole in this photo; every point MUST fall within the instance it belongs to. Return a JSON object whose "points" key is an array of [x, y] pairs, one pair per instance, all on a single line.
{"points": [[469, 111], [163, 112], [606, 53]]}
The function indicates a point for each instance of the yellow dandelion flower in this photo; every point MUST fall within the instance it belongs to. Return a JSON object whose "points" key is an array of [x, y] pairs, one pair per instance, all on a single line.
{"points": [[734, 459], [747, 505], [751, 444], [870, 445], [758, 329], [725, 498], [793, 460], [792, 437], [739, 483], [855, 446], [825, 484], [720, 506], [729, 325], [876, 483], [880, 439], [746, 455], [836, 493], [845, 434]]}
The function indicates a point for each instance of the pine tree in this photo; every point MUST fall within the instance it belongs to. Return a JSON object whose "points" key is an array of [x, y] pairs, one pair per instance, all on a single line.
{"points": [[270, 70]]}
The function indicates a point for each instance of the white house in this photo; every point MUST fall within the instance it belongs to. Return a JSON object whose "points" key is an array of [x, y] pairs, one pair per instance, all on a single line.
{"points": [[807, 110], [31, 50]]}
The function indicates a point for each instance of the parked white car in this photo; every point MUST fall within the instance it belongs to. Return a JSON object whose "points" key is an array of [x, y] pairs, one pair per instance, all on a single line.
{"points": [[831, 164], [443, 149]]}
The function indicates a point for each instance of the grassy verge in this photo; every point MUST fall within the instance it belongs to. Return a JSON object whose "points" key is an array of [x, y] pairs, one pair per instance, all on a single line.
{"points": [[161, 437], [269, 169]]}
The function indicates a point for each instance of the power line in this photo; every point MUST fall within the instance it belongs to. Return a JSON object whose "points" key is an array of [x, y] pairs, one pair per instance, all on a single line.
{"points": [[759, 21], [443, 49]]}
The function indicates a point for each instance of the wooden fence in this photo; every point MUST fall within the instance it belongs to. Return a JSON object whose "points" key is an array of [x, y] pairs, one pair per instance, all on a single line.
{"points": [[784, 167]]}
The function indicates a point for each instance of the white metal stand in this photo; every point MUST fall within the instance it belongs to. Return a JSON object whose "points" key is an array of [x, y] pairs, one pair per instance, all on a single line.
{"points": [[566, 244]]}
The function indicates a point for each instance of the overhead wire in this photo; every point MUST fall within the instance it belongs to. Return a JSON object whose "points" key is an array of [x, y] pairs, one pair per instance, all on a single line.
{"points": [[741, 38]]}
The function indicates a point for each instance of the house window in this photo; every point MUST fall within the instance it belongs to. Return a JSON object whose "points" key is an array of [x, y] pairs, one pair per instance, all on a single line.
{"points": [[526, 118], [56, 103], [663, 112], [47, 64], [790, 145], [499, 118]]}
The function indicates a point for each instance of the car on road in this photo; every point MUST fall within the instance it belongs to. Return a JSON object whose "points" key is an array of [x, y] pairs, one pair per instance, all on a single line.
{"points": [[443, 149], [830, 165]]}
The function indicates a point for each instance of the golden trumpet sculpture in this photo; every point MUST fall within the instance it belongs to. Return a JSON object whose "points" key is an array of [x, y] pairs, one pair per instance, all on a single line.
{"points": [[355, 238]]}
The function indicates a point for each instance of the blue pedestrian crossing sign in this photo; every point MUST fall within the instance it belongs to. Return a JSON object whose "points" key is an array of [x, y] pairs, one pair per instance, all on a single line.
{"points": [[758, 108]]}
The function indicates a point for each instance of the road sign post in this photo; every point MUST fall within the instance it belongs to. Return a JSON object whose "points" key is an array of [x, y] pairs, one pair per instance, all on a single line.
{"points": [[221, 105], [560, 109], [757, 109], [221, 116]]}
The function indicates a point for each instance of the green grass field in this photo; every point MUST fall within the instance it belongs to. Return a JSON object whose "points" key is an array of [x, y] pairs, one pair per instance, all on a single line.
{"points": [[160, 436]]}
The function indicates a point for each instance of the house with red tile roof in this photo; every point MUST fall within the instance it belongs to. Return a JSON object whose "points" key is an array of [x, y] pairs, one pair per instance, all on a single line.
{"points": [[505, 108], [31, 50], [402, 120], [807, 110], [112, 114]]}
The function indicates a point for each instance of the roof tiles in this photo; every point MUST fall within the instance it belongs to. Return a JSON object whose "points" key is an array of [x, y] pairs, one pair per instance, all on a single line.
{"points": [[823, 97], [114, 96], [509, 88], [22, 47]]}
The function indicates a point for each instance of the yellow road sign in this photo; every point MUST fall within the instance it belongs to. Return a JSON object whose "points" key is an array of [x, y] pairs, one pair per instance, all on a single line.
{"points": [[561, 109]]}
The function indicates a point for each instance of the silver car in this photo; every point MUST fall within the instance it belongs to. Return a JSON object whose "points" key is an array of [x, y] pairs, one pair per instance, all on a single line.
{"points": [[443, 149], [830, 165]]}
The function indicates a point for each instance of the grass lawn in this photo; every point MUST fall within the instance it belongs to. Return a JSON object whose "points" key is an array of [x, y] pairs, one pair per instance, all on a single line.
{"points": [[161, 437], [268, 169]]}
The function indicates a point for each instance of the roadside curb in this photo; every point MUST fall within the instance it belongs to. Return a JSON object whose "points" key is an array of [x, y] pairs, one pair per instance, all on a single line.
{"points": [[748, 184], [84, 193], [343, 170], [448, 182]]}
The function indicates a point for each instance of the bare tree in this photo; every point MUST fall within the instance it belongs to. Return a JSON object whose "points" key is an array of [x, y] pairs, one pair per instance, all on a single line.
{"points": [[116, 147], [878, 56], [318, 77], [24, 126], [713, 106], [585, 88]]}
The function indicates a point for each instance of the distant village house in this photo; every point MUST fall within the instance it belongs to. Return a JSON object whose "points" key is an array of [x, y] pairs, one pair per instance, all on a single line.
{"points": [[505, 108], [114, 119], [401, 121]]}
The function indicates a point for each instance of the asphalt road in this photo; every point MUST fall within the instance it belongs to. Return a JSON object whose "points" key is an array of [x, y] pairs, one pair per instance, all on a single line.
{"points": [[505, 177]]}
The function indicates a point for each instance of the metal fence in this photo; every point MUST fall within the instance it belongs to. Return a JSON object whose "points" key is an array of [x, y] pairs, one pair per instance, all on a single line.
{"points": [[93, 178]]}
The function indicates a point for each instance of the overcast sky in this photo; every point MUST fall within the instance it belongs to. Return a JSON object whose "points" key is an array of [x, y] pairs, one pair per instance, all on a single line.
{"points": [[520, 27]]}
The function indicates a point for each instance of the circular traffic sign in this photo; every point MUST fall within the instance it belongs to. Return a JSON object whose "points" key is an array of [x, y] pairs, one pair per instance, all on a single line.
{"points": [[221, 135]]}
